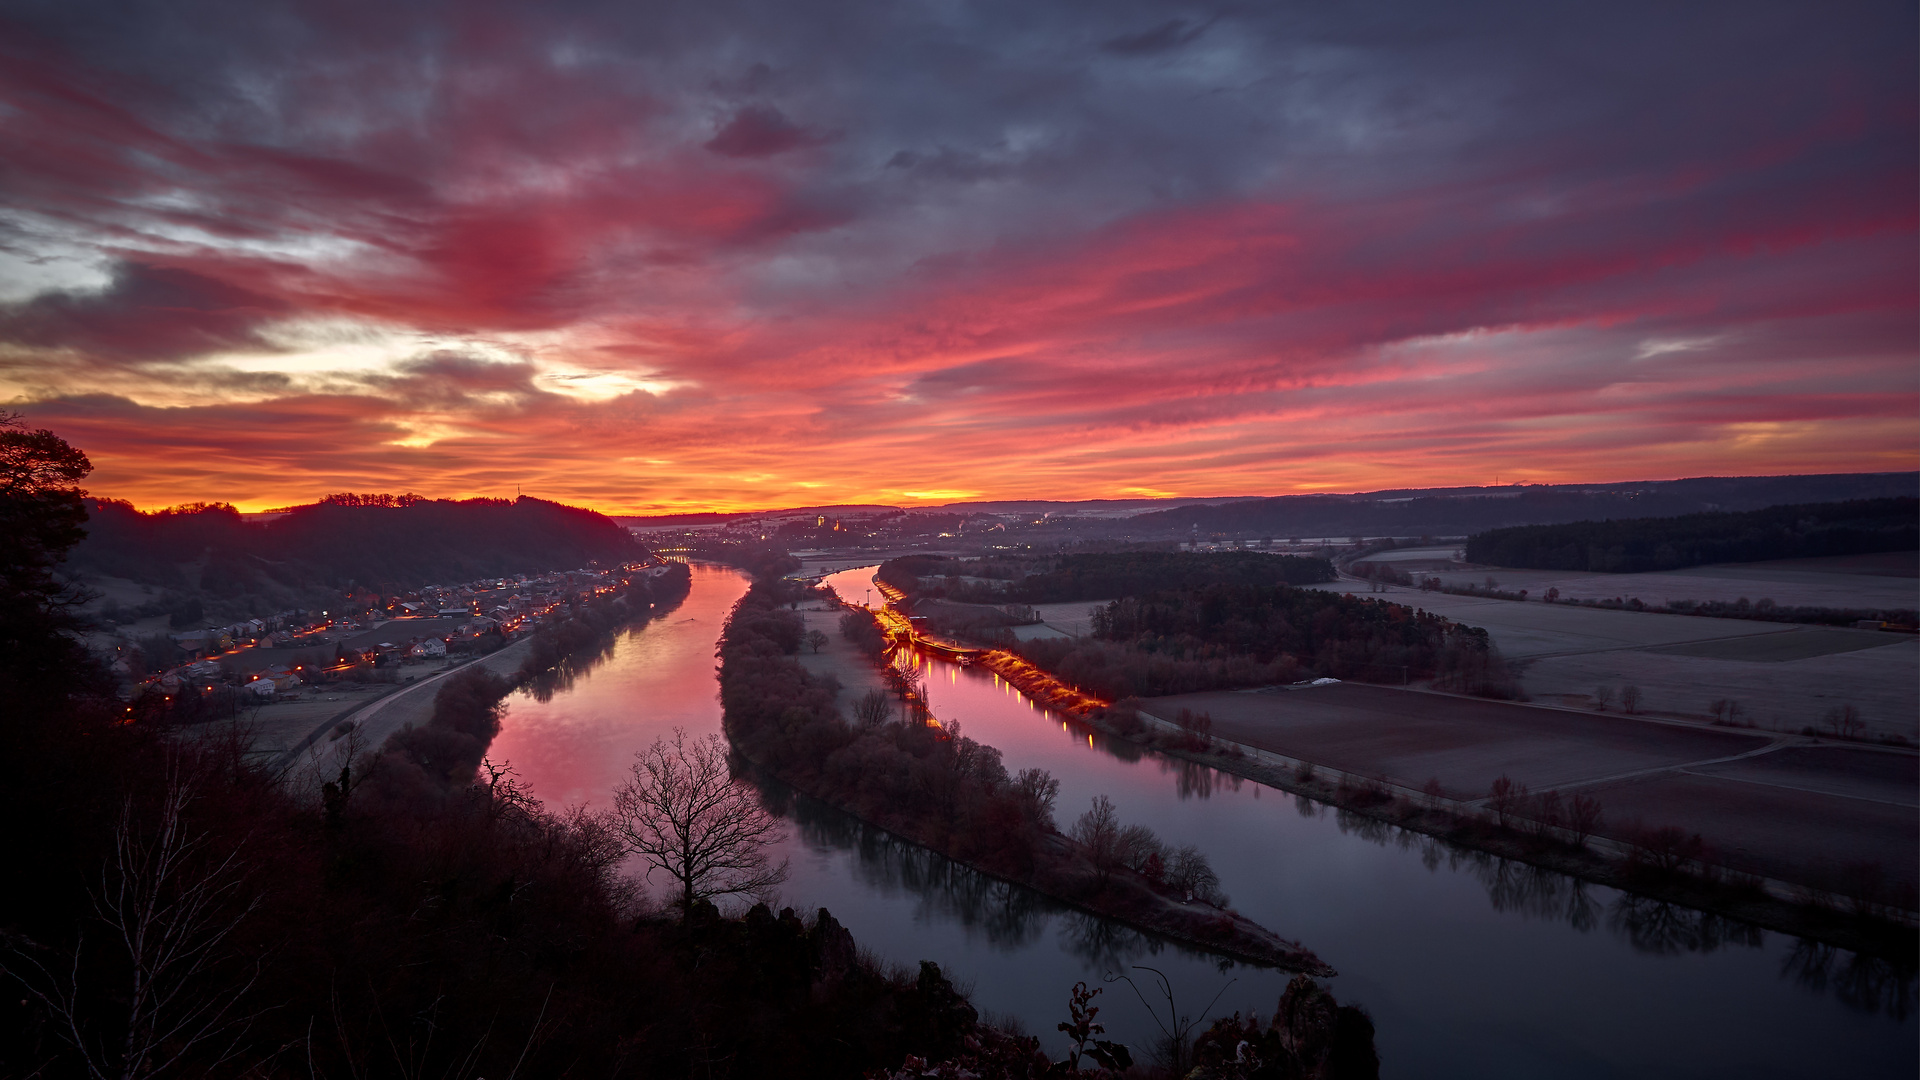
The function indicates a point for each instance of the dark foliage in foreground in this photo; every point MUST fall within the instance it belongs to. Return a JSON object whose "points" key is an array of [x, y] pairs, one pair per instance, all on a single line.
{"points": [[1633, 545], [1311, 1037], [403, 919]]}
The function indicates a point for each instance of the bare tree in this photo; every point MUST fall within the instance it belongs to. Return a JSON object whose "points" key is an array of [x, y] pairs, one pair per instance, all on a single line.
{"points": [[816, 640], [873, 709], [1549, 813], [684, 813], [1630, 698], [1140, 851], [1037, 790], [1099, 830], [170, 900], [1583, 817], [1190, 875], [1505, 798]]}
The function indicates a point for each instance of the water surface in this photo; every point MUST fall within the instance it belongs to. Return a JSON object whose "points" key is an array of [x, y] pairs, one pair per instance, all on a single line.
{"points": [[1471, 966]]}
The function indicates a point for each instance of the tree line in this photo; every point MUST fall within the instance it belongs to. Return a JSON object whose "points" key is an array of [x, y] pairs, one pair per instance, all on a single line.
{"points": [[927, 782], [1635, 545], [1463, 511], [207, 554], [1215, 637], [1099, 575]]}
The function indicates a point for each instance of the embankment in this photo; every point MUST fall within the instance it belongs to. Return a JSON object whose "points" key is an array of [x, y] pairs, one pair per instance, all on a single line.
{"points": [[447, 749]]}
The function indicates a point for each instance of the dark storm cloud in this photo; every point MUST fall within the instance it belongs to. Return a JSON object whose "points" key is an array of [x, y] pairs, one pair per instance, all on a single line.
{"points": [[1167, 36], [1209, 221], [762, 131], [146, 312]]}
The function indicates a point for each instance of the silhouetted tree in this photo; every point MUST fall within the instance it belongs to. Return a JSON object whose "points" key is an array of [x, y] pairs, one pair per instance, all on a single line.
{"points": [[683, 813], [1504, 797], [169, 899], [873, 709], [1099, 830], [1583, 816]]}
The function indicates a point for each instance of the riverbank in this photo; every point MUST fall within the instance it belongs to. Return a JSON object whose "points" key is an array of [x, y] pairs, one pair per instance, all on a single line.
{"points": [[932, 786], [1666, 876]]}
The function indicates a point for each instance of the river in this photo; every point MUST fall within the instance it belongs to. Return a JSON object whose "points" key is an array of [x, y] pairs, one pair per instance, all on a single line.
{"points": [[1471, 966]]}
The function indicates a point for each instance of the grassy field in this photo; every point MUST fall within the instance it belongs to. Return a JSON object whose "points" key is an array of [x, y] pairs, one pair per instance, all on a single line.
{"points": [[856, 672], [1775, 693], [1853, 581], [1785, 677], [1072, 618]]}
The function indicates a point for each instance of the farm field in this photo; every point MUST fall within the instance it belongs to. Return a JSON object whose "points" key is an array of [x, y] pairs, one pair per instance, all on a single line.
{"points": [[1785, 807], [1527, 629], [1411, 737], [1882, 682], [1887, 580], [1784, 676], [1767, 828]]}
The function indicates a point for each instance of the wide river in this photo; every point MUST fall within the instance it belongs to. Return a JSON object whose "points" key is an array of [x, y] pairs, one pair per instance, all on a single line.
{"points": [[1471, 966]]}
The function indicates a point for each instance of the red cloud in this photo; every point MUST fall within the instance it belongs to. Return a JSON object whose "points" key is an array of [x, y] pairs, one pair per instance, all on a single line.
{"points": [[863, 330]]}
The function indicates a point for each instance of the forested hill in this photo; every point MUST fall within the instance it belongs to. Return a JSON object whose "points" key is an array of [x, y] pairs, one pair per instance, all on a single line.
{"points": [[1856, 527], [1461, 512], [376, 541]]}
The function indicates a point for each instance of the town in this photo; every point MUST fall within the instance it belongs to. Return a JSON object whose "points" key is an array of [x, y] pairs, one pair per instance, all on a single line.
{"points": [[290, 655]]}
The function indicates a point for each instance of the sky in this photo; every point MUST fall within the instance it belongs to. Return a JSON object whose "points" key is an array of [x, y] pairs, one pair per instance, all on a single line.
{"points": [[653, 257]]}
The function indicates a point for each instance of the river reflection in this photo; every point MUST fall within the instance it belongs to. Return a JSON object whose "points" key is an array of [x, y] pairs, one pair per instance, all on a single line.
{"points": [[1512, 887], [1472, 966], [1012, 917]]}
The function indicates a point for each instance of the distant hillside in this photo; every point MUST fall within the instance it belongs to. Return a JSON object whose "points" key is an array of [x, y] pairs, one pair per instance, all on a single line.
{"points": [[378, 542], [1464, 511], [1855, 527], [715, 516]]}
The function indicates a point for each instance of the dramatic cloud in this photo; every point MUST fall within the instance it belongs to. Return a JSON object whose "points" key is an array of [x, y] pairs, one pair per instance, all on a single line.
{"points": [[746, 254]]}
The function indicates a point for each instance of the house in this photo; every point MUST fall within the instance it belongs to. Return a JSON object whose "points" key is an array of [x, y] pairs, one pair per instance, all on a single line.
{"points": [[277, 679], [426, 648], [193, 641]]}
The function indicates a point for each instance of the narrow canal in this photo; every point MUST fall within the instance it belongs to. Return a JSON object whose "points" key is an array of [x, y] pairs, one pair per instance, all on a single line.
{"points": [[1471, 966]]}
